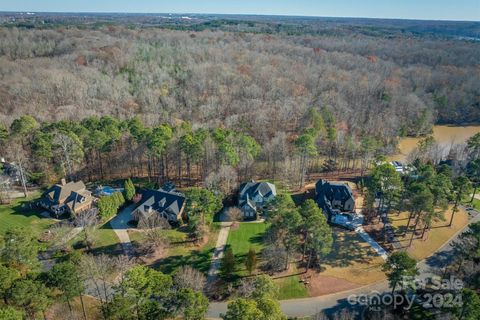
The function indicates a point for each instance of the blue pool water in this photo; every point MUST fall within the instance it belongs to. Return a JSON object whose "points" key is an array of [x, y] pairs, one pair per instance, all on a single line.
{"points": [[107, 190]]}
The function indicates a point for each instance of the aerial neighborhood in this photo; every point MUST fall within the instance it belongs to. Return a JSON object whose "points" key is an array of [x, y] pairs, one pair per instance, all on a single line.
{"points": [[351, 222], [238, 167]]}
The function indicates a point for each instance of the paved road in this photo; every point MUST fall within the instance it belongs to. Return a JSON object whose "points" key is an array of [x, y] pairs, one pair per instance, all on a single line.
{"points": [[433, 265], [120, 225]]}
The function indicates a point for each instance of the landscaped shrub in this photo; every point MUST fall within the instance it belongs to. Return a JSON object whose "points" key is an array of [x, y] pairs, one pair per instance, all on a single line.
{"points": [[108, 205], [129, 190]]}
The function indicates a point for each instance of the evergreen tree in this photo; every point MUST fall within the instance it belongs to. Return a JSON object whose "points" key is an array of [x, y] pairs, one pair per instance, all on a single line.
{"points": [[129, 190], [228, 262], [251, 261], [398, 267]]}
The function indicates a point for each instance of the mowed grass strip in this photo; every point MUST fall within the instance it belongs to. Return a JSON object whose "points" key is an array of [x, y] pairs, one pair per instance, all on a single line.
{"points": [[183, 252], [291, 288], [248, 235], [242, 238], [19, 214]]}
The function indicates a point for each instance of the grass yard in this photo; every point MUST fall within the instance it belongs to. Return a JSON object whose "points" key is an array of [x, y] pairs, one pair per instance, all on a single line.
{"points": [[105, 241], [19, 214], [476, 204], [439, 234], [290, 287], [248, 235], [352, 259], [183, 252]]}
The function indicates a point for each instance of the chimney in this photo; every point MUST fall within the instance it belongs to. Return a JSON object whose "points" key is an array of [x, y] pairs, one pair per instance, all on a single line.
{"points": [[63, 182]]}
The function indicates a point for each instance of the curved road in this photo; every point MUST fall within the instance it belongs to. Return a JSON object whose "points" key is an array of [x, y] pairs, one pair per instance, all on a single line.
{"points": [[428, 267]]}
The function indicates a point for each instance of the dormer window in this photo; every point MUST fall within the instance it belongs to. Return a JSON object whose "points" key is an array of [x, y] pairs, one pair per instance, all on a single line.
{"points": [[162, 202]]}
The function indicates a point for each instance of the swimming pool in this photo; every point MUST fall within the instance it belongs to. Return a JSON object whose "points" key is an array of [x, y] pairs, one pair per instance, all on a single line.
{"points": [[106, 190]]}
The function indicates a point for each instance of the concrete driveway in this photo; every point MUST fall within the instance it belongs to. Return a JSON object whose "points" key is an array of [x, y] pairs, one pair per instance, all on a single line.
{"points": [[120, 225]]}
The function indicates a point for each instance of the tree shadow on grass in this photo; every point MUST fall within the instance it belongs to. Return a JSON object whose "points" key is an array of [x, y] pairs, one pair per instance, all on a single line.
{"points": [[258, 238], [347, 250], [111, 250], [27, 208], [198, 259]]}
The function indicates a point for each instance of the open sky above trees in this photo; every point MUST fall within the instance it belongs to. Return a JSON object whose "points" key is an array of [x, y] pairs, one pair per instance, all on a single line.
{"points": [[406, 9]]}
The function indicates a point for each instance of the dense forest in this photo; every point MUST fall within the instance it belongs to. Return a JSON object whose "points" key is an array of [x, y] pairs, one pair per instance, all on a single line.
{"points": [[360, 91]]}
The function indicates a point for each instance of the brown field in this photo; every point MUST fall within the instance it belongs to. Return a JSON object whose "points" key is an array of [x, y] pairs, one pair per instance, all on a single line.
{"points": [[439, 234]]}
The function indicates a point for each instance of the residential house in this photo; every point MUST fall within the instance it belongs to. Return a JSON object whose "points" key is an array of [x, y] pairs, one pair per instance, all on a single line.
{"points": [[167, 204], [254, 195], [399, 167], [71, 197], [334, 198]]}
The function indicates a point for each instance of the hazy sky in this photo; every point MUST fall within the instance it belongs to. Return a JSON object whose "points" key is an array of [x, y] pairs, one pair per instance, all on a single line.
{"points": [[408, 9]]}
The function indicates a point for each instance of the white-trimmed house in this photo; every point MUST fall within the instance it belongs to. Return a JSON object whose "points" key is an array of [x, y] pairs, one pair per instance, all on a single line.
{"points": [[253, 196]]}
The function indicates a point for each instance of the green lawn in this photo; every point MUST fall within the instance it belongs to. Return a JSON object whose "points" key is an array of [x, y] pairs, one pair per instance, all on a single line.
{"points": [[247, 236], [251, 235], [19, 214], [182, 252], [105, 237], [291, 288], [105, 240], [476, 204]]}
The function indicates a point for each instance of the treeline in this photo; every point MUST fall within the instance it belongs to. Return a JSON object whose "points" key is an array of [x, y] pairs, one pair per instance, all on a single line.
{"points": [[105, 148], [426, 191], [262, 84]]}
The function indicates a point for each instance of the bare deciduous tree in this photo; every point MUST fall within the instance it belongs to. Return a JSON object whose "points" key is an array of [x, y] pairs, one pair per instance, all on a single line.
{"points": [[224, 180], [234, 214], [88, 220], [187, 277], [155, 240]]}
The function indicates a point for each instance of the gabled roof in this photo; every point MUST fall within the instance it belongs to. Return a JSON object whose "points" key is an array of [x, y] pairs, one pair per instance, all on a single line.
{"points": [[161, 201], [74, 201], [250, 189], [333, 191], [59, 193]]}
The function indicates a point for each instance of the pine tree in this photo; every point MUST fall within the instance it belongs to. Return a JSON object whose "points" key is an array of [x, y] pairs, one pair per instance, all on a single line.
{"points": [[228, 263], [251, 261], [129, 190]]}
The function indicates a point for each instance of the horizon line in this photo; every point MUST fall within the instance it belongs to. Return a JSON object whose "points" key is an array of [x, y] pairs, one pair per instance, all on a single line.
{"points": [[232, 14]]}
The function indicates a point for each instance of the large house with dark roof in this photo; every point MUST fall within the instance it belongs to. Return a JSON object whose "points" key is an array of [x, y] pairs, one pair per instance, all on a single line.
{"points": [[71, 197], [167, 204], [334, 198], [253, 195]]}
